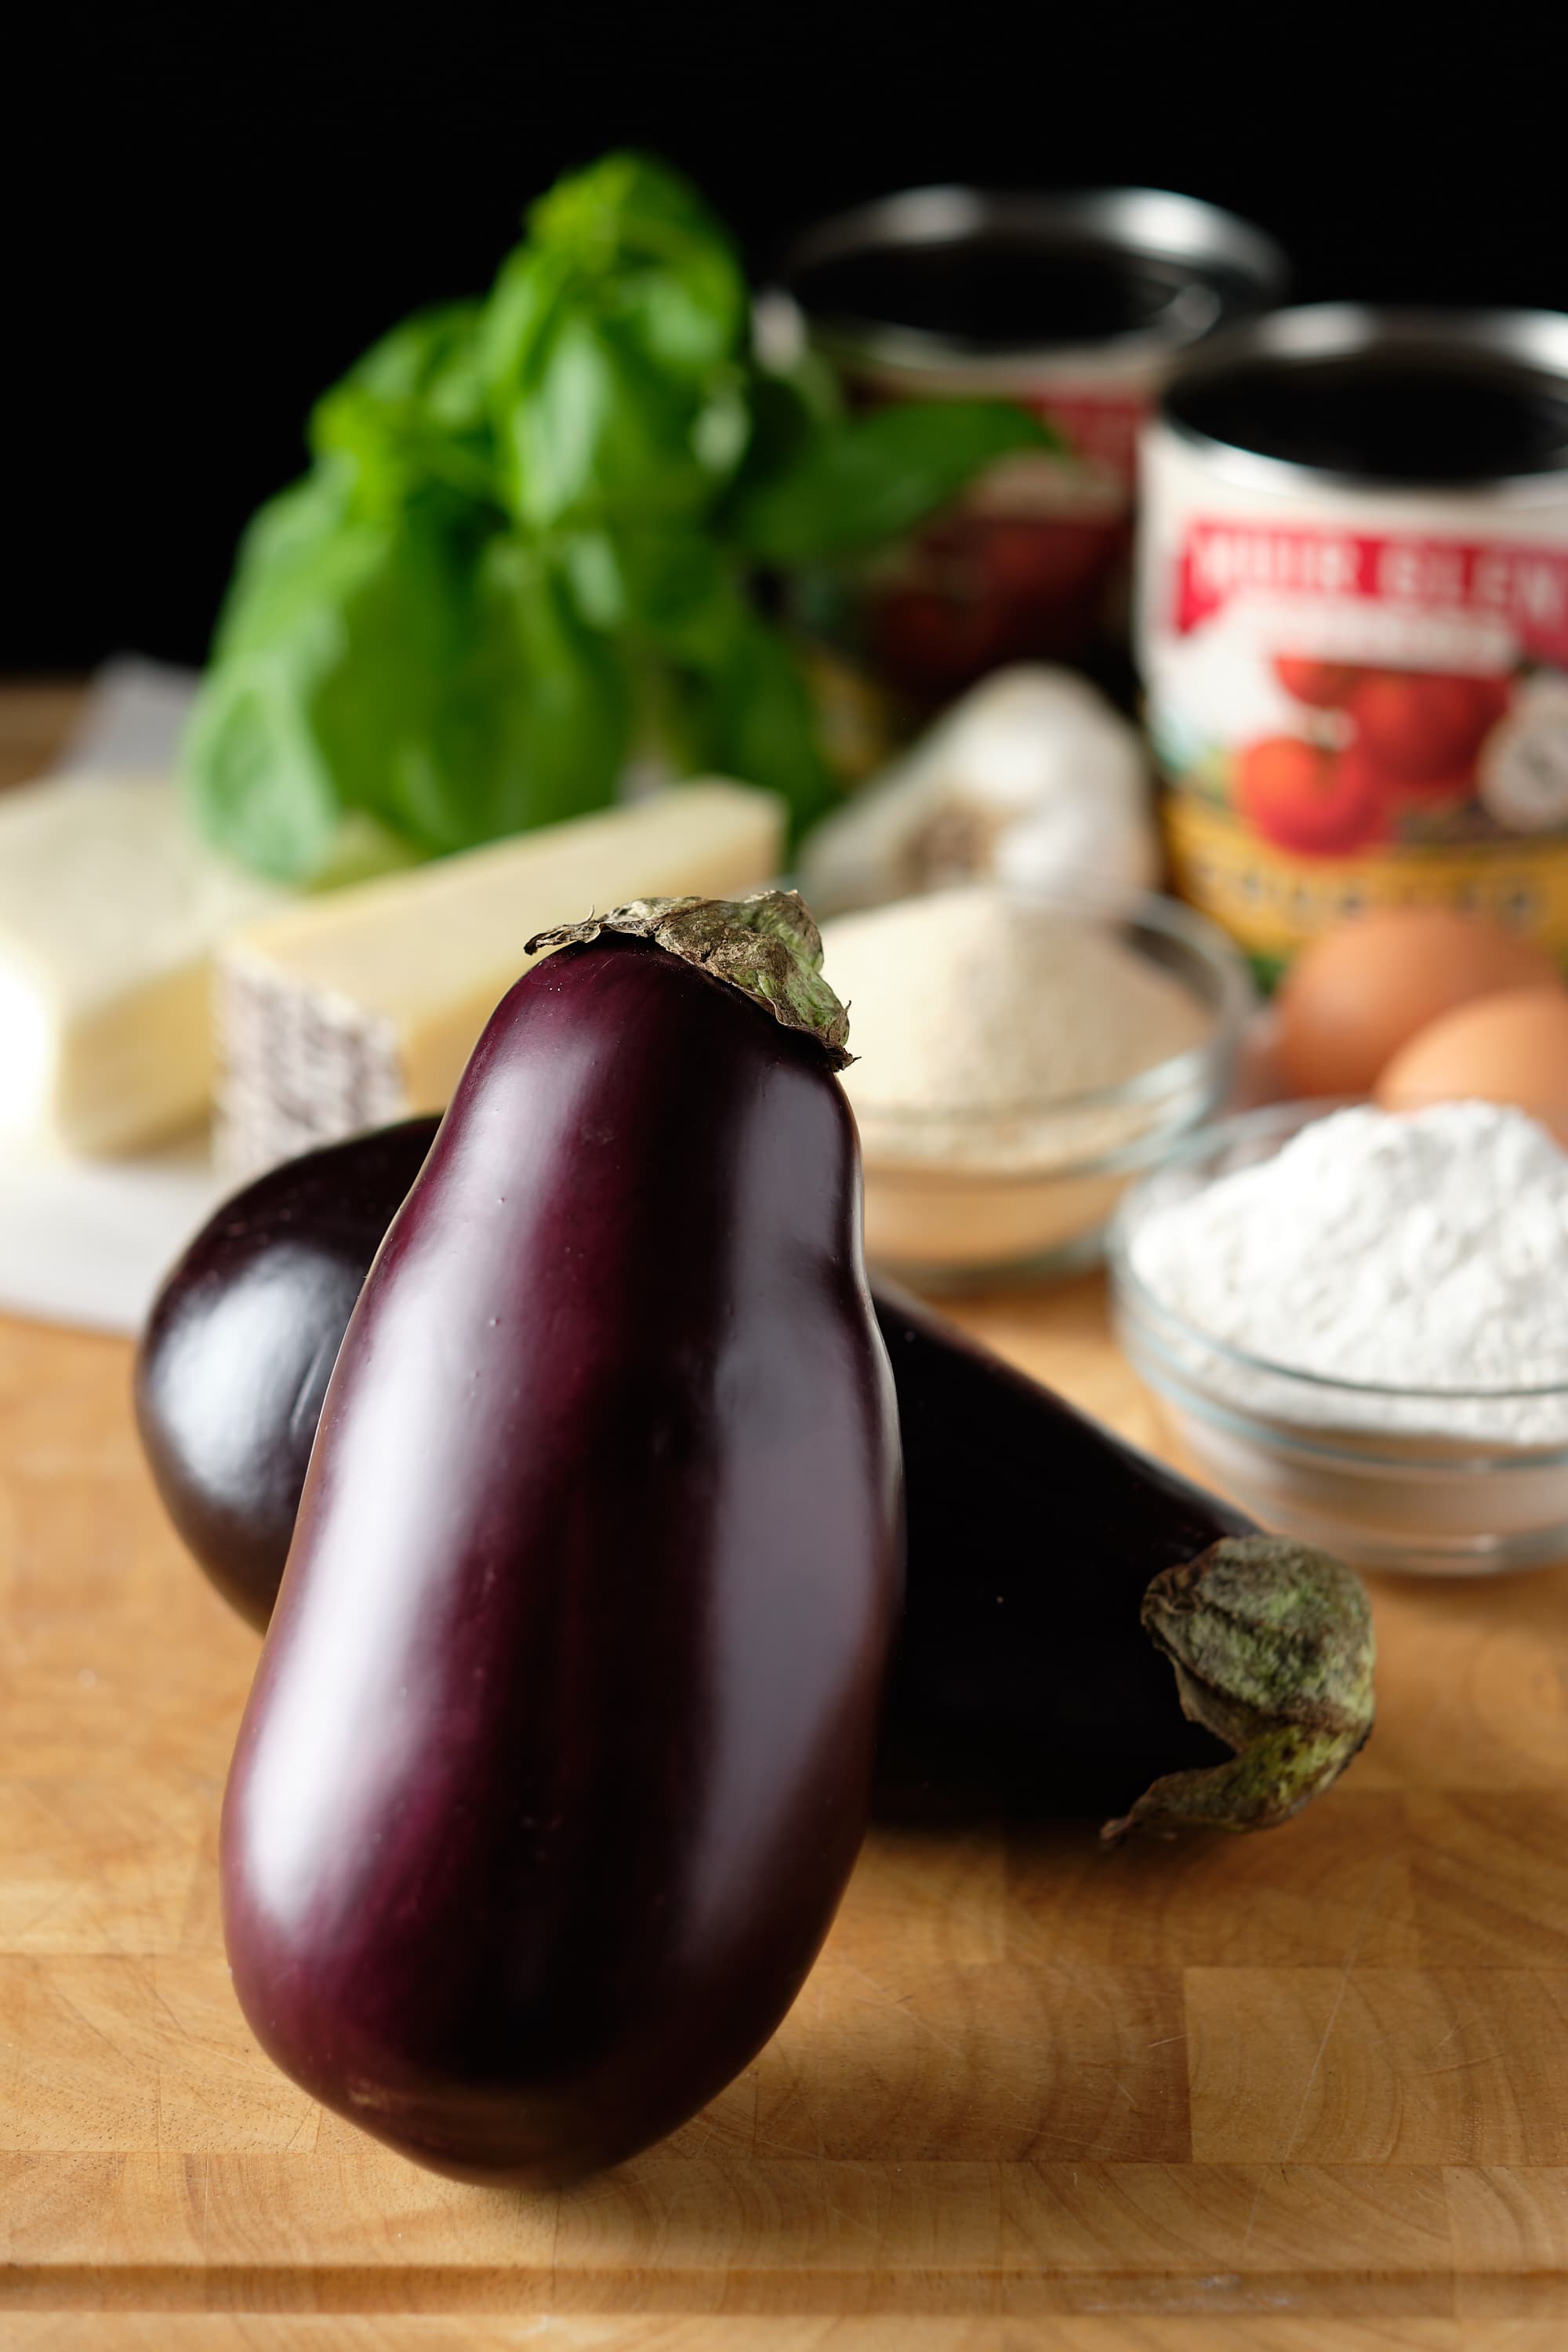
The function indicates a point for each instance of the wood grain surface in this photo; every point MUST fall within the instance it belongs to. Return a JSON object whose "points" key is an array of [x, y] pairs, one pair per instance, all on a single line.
{"points": [[1299, 2091]]}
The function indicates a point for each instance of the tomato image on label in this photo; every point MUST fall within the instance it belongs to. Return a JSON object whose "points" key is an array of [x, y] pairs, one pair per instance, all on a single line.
{"points": [[1320, 685], [1307, 797], [1424, 727]]}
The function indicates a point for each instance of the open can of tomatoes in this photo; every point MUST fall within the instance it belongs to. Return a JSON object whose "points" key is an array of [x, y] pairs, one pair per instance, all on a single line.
{"points": [[1353, 620], [1075, 305]]}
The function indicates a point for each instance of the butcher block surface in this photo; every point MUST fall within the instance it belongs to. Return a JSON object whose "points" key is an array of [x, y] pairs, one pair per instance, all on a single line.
{"points": [[1299, 2091], [1319, 2073]]}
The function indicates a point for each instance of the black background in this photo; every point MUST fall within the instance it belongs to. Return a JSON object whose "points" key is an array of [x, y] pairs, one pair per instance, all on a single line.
{"points": [[212, 210]]}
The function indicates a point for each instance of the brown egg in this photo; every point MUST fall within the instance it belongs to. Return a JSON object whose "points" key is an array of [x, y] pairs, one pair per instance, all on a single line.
{"points": [[1512, 1048], [1358, 993]]}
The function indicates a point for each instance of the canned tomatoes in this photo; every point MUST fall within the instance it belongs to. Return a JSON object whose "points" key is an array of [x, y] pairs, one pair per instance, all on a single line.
{"points": [[1353, 620], [1075, 305]]}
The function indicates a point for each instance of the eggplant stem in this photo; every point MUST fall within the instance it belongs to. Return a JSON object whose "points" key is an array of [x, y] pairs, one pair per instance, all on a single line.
{"points": [[1273, 1651], [767, 946]]}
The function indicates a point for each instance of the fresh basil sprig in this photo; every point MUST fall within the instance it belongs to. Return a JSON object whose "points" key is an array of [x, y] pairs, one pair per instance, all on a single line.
{"points": [[529, 542]]}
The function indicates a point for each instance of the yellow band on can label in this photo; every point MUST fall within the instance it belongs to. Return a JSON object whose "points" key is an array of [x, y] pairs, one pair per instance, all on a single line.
{"points": [[1272, 903]]}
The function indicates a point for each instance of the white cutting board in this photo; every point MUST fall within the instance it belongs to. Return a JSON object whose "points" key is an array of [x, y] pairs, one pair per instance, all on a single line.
{"points": [[87, 1241]]}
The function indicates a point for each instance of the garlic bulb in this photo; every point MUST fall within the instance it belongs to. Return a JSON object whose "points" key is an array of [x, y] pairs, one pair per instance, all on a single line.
{"points": [[1032, 779], [1524, 762]]}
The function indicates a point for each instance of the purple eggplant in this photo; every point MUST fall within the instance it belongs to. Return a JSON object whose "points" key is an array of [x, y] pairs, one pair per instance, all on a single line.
{"points": [[1034, 1671], [235, 1360], [1086, 1632], [560, 1748]]}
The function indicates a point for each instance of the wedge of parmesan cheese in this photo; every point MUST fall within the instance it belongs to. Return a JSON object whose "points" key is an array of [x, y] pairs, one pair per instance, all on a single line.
{"points": [[109, 911], [347, 1011]]}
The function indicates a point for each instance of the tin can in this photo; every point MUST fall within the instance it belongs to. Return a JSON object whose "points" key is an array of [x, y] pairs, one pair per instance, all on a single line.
{"points": [[1076, 305], [1353, 620]]}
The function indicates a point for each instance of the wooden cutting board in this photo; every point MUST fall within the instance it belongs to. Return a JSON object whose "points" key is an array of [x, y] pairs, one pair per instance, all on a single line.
{"points": [[1318, 2073], [1299, 2091]]}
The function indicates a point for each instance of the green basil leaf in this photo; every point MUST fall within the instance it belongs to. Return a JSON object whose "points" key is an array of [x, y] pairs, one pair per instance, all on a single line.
{"points": [[539, 716], [870, 478], [785, 420], [414, 410], [719, 687], [665, 593], [379, 709], [429, 366], [258, 779], [421, 669], [748, 713], [602, 436], [293, 547], [638, 238], [611, 349], [530, 526], [255, 779]]}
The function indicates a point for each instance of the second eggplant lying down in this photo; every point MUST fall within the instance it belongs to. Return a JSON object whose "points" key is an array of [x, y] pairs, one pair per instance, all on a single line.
{"points": [[1079, 1622], [1086, 1632]]}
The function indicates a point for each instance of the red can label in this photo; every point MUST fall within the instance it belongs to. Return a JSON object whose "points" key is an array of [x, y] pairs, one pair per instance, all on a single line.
{"points": [[1355, 707], [1515, 599]]}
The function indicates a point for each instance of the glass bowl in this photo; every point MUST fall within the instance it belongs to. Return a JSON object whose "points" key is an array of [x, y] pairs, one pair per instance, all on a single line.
{"points": [[1437, 1482], [964, 1198]]}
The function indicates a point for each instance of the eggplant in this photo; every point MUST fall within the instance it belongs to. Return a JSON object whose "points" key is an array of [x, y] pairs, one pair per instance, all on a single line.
{"points": [[234, 1362], [1051, 1585], [1086, 1632], [560, 1748]]}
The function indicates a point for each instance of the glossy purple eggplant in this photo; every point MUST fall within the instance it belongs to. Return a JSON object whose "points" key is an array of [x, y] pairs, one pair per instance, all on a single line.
{"points": [[560, 1748], [235, 1360], [1026, 1681], [1085, 1631]]}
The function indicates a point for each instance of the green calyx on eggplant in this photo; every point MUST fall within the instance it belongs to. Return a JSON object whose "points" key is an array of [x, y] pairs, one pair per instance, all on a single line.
{"points": [[561, 1744], [1083, 1630], [767, 946], [1055, 1577]]}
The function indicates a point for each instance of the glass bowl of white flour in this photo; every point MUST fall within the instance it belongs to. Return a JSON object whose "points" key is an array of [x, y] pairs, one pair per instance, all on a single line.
{"points": [[1022, 1056], [1357, 1324]]}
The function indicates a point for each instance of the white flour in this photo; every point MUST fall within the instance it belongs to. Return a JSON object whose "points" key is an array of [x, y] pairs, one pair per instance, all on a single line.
{"points": [[1424, 1251]]}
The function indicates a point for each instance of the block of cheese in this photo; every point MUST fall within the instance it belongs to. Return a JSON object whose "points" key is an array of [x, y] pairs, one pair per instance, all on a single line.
{"points": [[110, 910], [361, 1006]]}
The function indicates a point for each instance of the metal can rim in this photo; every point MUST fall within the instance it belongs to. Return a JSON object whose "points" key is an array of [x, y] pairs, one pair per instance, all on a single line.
{"points": [[1148, 224], [1536, 340]]}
